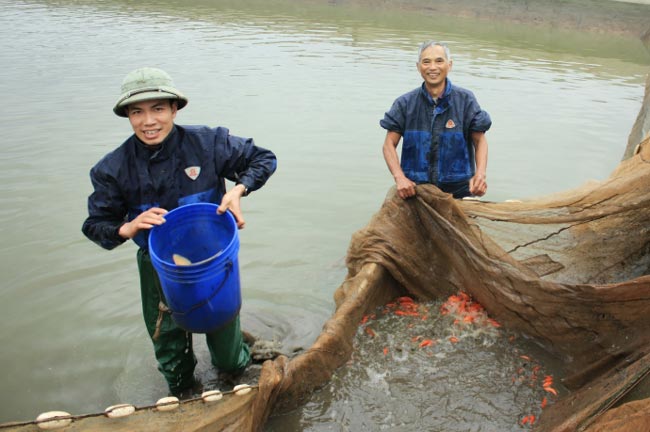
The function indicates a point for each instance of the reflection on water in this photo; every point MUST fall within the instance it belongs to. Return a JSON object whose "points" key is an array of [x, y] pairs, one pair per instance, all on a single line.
{"points": [[307, 81]]}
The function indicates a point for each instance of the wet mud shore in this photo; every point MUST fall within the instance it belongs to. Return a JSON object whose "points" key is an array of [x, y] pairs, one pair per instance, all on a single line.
{"points": [[625, 18]]}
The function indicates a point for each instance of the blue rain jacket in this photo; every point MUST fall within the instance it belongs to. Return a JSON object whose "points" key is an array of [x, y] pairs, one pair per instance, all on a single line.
{"points": [[188, 167], [437, 146]]}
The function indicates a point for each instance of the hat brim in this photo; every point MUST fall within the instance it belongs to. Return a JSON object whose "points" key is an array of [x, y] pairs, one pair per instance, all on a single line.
{"points": [[120, 107]]}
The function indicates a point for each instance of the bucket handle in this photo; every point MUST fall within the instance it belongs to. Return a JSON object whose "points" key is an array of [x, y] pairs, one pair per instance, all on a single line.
{"points": [[229, 267]]}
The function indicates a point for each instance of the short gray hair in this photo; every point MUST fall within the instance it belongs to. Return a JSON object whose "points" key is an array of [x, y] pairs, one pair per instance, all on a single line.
{"points": [[431, 43]]}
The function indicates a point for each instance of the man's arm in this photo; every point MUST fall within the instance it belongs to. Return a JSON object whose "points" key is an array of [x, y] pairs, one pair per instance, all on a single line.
{"points": [[107, 222], [478, 183], [106, 211], [405, 187], [248, 165]]}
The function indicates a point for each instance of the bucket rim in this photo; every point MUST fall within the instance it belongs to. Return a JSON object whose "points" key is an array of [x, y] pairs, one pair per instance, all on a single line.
{"points": [[227, 214]]}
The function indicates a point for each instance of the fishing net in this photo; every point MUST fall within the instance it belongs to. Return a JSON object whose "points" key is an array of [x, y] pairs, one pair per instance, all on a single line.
{"points": [[569, 271]]}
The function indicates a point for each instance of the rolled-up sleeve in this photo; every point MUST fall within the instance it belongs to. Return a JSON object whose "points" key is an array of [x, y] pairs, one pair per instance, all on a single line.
{"points": [[479, 120], [106, 211], [246, 163], [394, 119]]}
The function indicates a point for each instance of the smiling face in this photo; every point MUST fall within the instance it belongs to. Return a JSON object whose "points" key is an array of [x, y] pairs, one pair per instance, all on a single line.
{"points": [[434, 67], [152, 120]]}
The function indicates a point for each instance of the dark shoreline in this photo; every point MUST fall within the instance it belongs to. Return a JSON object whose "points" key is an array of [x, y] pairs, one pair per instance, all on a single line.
{"points": [[595, 16]]}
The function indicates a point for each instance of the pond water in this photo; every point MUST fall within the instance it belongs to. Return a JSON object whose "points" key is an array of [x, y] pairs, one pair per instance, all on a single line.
{"points": [[434, 366], [309, 81]]}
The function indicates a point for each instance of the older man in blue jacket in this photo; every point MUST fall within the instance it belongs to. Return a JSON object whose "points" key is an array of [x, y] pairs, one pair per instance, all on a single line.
{"points": [[443, 129], [160, 167]]}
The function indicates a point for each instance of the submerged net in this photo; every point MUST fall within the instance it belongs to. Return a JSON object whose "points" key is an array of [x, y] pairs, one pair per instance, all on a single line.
{"points": [[568, 271]]}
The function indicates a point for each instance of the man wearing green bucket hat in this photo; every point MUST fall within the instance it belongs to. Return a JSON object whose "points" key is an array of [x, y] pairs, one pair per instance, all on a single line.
{"points": [[160, 167]]}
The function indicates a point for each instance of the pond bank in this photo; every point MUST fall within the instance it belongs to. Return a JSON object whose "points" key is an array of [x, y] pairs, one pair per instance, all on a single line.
{"points": [[629, 18]]}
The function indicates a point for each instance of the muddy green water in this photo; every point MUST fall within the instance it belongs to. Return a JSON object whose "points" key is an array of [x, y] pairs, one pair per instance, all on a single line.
{"points": [[307, 80], [432, 367]]}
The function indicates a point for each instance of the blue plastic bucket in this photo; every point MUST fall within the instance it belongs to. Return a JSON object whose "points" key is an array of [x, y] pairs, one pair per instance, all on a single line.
{"points": [[206, 294]]}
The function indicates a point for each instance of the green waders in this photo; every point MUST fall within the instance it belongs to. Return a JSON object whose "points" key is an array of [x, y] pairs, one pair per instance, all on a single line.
{"points": [[173, 345]]}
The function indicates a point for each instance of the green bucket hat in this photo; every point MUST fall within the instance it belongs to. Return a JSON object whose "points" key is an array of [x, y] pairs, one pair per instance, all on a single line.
{"points": [[147, 84]]}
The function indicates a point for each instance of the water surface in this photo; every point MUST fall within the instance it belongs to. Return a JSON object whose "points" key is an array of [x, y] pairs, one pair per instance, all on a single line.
{"points": [[309, 82], [432, 366]]}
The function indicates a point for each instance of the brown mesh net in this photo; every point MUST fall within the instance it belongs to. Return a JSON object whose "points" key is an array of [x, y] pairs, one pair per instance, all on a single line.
{"points": [[540, 267]]}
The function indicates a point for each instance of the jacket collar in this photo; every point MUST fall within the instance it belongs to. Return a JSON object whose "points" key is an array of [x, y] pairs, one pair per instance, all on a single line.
{"points": [[445, 94], [160, 151]]}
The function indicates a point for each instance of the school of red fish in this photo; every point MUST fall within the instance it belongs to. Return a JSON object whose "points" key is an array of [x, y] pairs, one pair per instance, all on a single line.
{"points": [[465, 313]]}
